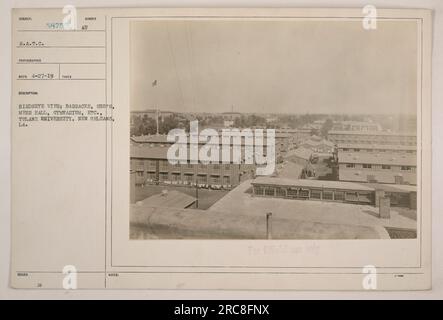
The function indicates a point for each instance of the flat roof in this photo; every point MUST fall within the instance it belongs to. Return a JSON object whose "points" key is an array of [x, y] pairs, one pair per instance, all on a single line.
{"points": [[376, 146], [317, 143], [311, 183], [381, 176], [393, 187], [171, 198], [163, 139], [378, 158], [156, 152], [374, 133]]}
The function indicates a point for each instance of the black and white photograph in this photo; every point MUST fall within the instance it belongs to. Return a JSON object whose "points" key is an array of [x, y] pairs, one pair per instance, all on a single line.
{"points": [[273, 129]]}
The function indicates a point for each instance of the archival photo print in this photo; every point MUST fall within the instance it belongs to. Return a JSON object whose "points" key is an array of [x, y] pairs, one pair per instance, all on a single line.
{"points": [[273, 129]]}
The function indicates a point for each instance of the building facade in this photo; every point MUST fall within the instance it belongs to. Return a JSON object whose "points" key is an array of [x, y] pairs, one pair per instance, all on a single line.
{"points": [[378, 167], [373, 137], [313, 190], [376, 148], [151, 166], [335, 191]]}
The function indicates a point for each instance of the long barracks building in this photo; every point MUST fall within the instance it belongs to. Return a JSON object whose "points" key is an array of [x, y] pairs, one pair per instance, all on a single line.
{"points": [[394, 168], [150, 164], [335, 191], [372, 137]]}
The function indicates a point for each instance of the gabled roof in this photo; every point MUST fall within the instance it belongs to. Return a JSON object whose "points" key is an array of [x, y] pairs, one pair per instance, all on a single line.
{"points": [[302, 152]]}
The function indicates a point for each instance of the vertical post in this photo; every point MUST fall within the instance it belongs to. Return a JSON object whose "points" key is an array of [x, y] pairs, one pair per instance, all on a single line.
{"points": [[156, 113], [269, 225], [196, 196]]}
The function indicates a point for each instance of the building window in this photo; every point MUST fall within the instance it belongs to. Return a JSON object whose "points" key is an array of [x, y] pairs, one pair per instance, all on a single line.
{"points": [[269, 191], [216, 167], [315, 194], [163, 176], [258, 190], [384, 166], [175, 176], [227, 166], [215, 180], [304, 193], [350, 165], [226, 180], [202, 179], [292, 193], [367, 166], [327, 195], [406, 168], [281, 192], [164, 164], [140, 173], [351, 196], [339, 196]]}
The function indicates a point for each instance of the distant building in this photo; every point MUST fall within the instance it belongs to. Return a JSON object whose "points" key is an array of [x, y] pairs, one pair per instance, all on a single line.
{"points": [[372, 137], [313, 190], [170, 199], [335, 191], [283, 143], [301, 156], [377, 167], [297, 134], [228, 123], [356, 126], [375, 148], [231, 115], [317, 144], [151, 165]]}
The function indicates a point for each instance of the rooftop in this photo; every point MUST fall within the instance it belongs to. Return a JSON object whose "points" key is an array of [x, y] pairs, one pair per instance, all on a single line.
{"points": [[316, 143], [378, 158], [157, 152], [374, 133], [170, 198], [301, 152], [238, 200], [381, 176], [376, 146], [342, 185]]}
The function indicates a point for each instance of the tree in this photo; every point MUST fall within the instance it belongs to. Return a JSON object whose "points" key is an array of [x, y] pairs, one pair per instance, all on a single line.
{"points": [[327, 125]]}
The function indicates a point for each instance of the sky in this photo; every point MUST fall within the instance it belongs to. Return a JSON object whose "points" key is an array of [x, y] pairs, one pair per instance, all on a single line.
{"points": [[274, 66]]}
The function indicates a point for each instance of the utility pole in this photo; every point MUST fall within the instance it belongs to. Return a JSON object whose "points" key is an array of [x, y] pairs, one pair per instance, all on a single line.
{"points": [[196, 196], [269, 225], [156, 112]]}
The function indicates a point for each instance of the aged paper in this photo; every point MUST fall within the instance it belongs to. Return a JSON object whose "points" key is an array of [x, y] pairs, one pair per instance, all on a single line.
{"points": [[221, 148]]}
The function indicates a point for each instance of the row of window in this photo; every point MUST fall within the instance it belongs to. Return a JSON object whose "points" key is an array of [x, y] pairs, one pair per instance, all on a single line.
{"points": [[372, 137], [376, 150], [317, 194], [384, 166], [382, 142], [165, 164], [175, 177]]}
